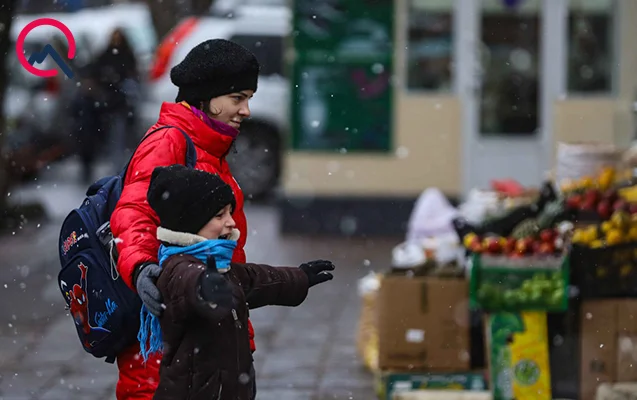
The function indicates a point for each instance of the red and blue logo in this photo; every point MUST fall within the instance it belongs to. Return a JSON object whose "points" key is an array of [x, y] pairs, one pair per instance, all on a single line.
{"points": [[48, 50]]}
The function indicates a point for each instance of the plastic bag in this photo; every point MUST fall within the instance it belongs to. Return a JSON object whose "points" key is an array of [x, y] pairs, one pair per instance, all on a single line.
{"points": [[432, 216], [408, 255]]}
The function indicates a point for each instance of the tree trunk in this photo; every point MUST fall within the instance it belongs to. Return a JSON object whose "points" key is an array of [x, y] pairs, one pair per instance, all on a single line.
{"points": [[167, 13], [7, 10]]}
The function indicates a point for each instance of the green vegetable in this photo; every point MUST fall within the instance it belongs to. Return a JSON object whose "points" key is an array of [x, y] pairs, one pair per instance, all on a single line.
{"points": [[502, 291]]}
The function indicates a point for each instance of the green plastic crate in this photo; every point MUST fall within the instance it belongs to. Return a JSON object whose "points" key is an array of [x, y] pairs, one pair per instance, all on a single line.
{"points": [[523, 284]]}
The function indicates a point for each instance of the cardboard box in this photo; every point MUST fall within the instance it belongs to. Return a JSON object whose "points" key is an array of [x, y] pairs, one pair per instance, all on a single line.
{"points": [[367, 332], [389, 382], [608, 344], [443, 395], [615, 391], [423, 323]]}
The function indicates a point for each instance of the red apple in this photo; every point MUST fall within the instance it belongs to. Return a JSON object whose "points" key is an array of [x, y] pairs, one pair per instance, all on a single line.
{"points": [[509, 246], [610, 195], [492, 245], [476, 247], [547, 235], [546, 249], [592, 196], [524, 245], [574, 201], [588, 205], [604, 209], [633, 208], [620, 205], [474, 244]]}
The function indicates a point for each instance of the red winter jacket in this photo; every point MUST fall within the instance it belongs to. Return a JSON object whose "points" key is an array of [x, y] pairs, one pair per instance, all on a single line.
{"points": [[133, 222]]}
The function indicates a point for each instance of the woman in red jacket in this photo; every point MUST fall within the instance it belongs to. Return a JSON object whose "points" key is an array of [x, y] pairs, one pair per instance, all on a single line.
{"points": [[216, 80]]}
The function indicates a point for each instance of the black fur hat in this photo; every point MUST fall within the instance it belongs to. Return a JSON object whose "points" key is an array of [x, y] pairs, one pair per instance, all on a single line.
{"points": [[186, 199], [215, 68]]}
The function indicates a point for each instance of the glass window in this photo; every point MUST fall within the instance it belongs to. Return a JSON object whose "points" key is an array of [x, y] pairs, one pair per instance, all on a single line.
{"points": [[509, 56], [591, 55], [267, 49], [430, 45]]}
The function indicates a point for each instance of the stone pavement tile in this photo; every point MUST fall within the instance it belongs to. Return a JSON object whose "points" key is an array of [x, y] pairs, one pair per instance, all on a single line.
{"points": [[90, 366], [346, 394], [260, 356], [284, 394], [12, 347], [307, 315], [352, 378], [80, 386], [291, 335], [296, 378], [268, 315], [28, 383], [290, 357], [343, 355], [59, 344], [267, 322]]}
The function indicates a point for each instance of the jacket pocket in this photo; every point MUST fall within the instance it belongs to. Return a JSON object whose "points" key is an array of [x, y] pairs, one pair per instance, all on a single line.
{"points": [[207, 386]]}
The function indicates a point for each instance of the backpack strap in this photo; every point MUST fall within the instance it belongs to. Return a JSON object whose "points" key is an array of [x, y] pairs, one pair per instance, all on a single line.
{"points": [[191, 151]]}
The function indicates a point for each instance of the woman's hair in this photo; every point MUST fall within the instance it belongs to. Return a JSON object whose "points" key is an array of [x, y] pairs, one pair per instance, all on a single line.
{"points": [[205, 107]]}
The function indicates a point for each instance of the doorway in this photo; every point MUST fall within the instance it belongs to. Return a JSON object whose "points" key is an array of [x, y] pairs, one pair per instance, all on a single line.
{"points": [[510, 72]]}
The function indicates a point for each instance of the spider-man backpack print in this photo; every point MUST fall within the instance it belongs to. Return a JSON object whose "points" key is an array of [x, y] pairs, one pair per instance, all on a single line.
{"points": [[104, 309]]}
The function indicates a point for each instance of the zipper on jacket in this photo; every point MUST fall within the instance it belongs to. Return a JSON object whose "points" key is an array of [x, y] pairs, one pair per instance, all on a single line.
{"points": [[237, 323], [191, 366]]}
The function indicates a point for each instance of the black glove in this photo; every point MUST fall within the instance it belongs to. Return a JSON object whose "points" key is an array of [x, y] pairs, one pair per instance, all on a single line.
{"points": [[215, 288], [145, 278], [317, 271]]}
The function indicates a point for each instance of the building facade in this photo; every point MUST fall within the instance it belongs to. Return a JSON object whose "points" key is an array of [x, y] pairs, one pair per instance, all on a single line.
{"points": [[480, 89]]}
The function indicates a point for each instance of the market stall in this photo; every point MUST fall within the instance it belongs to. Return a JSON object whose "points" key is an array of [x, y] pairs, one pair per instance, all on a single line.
{"points": [[519, 293]]}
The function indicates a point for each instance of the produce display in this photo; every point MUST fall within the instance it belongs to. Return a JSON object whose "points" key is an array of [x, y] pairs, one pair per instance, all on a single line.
{"points": [[526, 240], [526, 269], [620, 228], [499, 283], [600, 198], [603, 181], [611, 214]]}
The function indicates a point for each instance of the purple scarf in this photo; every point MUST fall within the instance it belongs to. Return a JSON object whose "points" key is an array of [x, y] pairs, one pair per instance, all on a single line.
{"points": [[218, 126]]}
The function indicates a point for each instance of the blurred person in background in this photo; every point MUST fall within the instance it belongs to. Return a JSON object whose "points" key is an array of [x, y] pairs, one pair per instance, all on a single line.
{"points": [[117, 77], [65, 118], [86, 119], [216, 81]]}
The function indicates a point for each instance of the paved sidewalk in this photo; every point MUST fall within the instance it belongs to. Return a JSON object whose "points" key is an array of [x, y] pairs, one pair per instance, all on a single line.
{"points": [[306, 352]]}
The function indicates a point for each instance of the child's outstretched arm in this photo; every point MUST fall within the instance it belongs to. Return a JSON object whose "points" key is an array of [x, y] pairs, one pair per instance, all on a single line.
{"points": [[280, 286], [196, 288]]}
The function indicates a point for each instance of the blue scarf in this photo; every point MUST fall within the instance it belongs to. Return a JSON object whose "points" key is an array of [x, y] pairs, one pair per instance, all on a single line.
{"points": [[149, 335]]}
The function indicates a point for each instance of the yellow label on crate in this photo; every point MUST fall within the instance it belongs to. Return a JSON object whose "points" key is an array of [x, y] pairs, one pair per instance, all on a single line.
{"points": [[530, 359], [519, 357]]}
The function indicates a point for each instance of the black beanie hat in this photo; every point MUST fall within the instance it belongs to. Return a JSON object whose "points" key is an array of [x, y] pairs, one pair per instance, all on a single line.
{"points": [[214, 68], [186, 199]]}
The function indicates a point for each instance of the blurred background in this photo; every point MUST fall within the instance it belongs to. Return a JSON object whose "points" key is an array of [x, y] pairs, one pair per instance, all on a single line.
{"points": [[376, 123]]}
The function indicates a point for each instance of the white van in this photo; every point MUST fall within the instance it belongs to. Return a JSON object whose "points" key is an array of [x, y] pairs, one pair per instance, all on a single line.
{"points": [[263, 30]]}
